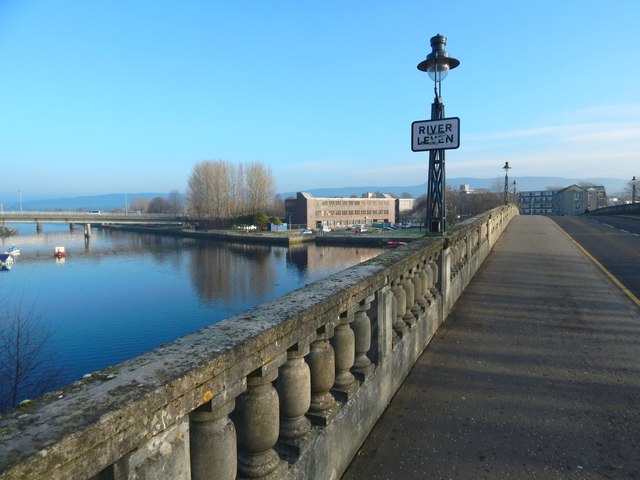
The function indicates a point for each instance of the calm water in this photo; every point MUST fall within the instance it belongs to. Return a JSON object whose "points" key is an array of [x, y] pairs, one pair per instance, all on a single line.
{"points": [[121, 294]]}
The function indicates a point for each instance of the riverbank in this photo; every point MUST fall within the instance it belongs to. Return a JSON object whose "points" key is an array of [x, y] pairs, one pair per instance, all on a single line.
{"points": [[286, 238]]}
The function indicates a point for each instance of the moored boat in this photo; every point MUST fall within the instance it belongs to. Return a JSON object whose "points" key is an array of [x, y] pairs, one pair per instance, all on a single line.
{"points": [[13, 251], [59, 252], [395, 243], [6, 261]]}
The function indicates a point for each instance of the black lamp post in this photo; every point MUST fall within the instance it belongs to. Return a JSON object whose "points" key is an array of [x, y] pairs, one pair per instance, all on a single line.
{"points": [[506, 182], [515, 196], [633, 189], [437, 65]]}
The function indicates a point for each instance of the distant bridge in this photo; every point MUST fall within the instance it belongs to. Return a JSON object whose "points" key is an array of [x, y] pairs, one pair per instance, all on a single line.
{"points": [[89, 218]]}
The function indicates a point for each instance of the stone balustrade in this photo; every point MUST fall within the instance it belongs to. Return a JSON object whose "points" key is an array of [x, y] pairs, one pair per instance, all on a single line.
{"points": [[287, 390]]}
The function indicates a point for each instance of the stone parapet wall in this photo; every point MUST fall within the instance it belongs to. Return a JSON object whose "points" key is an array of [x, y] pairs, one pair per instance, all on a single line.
{"points": [[287, 390]]}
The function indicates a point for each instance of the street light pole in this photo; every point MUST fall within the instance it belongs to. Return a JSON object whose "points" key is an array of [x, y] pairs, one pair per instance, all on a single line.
{"points": [[633, 189], [506, 182], [437, 65]]}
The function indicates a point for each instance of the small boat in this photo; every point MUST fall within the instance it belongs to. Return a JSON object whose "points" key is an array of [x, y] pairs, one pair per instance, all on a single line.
{"points": [[6, 261], [13, 251], [59, 252], [395, 243]]}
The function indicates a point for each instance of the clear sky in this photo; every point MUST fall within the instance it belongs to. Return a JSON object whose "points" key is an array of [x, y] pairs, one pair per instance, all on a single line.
{"points": [[128, 95]]}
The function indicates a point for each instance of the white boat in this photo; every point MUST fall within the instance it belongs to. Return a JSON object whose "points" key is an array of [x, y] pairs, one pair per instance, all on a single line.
{"points": [[13, 251], [6, 261]]}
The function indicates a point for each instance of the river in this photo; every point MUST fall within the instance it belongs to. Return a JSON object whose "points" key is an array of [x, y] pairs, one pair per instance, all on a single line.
{"points": [[120, 294]]}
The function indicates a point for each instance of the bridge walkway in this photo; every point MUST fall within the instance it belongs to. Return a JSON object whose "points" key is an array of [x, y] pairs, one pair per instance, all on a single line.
{"points": [[536, 374]]}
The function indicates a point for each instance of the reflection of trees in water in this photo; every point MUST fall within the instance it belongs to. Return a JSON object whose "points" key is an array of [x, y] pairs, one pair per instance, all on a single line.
{"points": [[24, 354], [313, 258], [232, 273], [163, 249]]}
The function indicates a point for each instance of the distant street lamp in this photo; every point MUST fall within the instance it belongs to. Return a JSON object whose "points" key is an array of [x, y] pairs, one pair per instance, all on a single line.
{"points": [[506, 182], [437, 65], [633, 189], [515, 197]]}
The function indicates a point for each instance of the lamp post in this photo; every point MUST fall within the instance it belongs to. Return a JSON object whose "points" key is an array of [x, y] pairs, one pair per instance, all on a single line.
{"points": [[20, 195], [633, 189], [506, 182], [437, 65], [515, 196]]}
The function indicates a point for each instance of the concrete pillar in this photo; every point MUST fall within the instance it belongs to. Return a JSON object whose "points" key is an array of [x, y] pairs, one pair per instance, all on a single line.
{"points": [[385, 317], [322, 366], [213, 443], [72, 227], [400, 306], [294, 390], [343, 343], [425, 284], [257, 420], [362, 329], [419, 303], [87, 230], [38, 227], [407, 285]]}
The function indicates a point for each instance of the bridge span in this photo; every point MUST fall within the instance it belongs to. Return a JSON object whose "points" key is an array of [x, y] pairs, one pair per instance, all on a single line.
{"points": [[90, 218]]}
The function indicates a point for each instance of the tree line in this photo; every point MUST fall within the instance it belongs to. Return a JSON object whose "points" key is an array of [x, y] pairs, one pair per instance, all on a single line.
{"points": [[220, 191]]}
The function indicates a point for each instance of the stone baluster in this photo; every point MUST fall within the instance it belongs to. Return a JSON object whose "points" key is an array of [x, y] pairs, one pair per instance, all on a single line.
{"points": [[322, 365], [407, 284], [361, 325], [425, 283], [294, 389], [212, 436], [419, 304], [434, 278], [257, 420], [400, 302], [343, 343]]}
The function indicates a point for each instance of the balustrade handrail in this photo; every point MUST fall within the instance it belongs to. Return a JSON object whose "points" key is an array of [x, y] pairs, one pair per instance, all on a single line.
{"points": [[241, 396]]}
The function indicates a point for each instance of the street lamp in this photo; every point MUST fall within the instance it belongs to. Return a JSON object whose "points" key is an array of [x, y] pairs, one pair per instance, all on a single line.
{"points": [[633, 189], [506, 182], [437, 65], [515, 197]]}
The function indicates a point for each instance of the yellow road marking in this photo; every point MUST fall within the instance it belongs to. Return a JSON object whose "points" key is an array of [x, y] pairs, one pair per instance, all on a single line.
{"points": [[611, 276]]}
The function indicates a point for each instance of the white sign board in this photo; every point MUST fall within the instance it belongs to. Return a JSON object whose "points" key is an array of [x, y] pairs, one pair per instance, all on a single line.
{"points": [[435, 134]]}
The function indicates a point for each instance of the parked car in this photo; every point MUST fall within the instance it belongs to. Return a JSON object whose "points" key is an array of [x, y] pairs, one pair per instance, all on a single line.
{"points": [[307, 232]]}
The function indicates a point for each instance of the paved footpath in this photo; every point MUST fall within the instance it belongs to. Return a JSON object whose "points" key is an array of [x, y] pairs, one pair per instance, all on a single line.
{"points": [[535, 375]]}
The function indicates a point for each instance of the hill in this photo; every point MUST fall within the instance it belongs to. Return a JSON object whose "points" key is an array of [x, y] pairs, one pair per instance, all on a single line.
{"points": [[612, 186], [115, 201]]}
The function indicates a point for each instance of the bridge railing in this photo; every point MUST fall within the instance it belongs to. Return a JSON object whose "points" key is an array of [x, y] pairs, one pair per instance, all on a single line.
{"points": [[627, 209], [289, 389]]}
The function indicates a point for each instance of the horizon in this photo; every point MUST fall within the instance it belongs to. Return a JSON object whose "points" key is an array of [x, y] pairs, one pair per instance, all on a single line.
{"points": [[535, 183], [128, 97]]}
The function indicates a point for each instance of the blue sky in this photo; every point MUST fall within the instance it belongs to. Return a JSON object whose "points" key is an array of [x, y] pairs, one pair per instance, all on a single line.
{"points": [[127, 96]]}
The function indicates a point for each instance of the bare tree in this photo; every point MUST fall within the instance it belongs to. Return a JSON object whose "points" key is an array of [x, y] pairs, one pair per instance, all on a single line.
{"points": [[159, 205], [260, 186], [23, 356], [218, 191], [139, 205], [176, 203]]}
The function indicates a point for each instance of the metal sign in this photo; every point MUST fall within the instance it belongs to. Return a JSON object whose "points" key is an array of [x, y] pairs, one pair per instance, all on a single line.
{"points": [[440, 134]]}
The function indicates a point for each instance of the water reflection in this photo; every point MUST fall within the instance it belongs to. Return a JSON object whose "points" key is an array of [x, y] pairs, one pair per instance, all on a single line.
{"points": [[121, 294]]}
